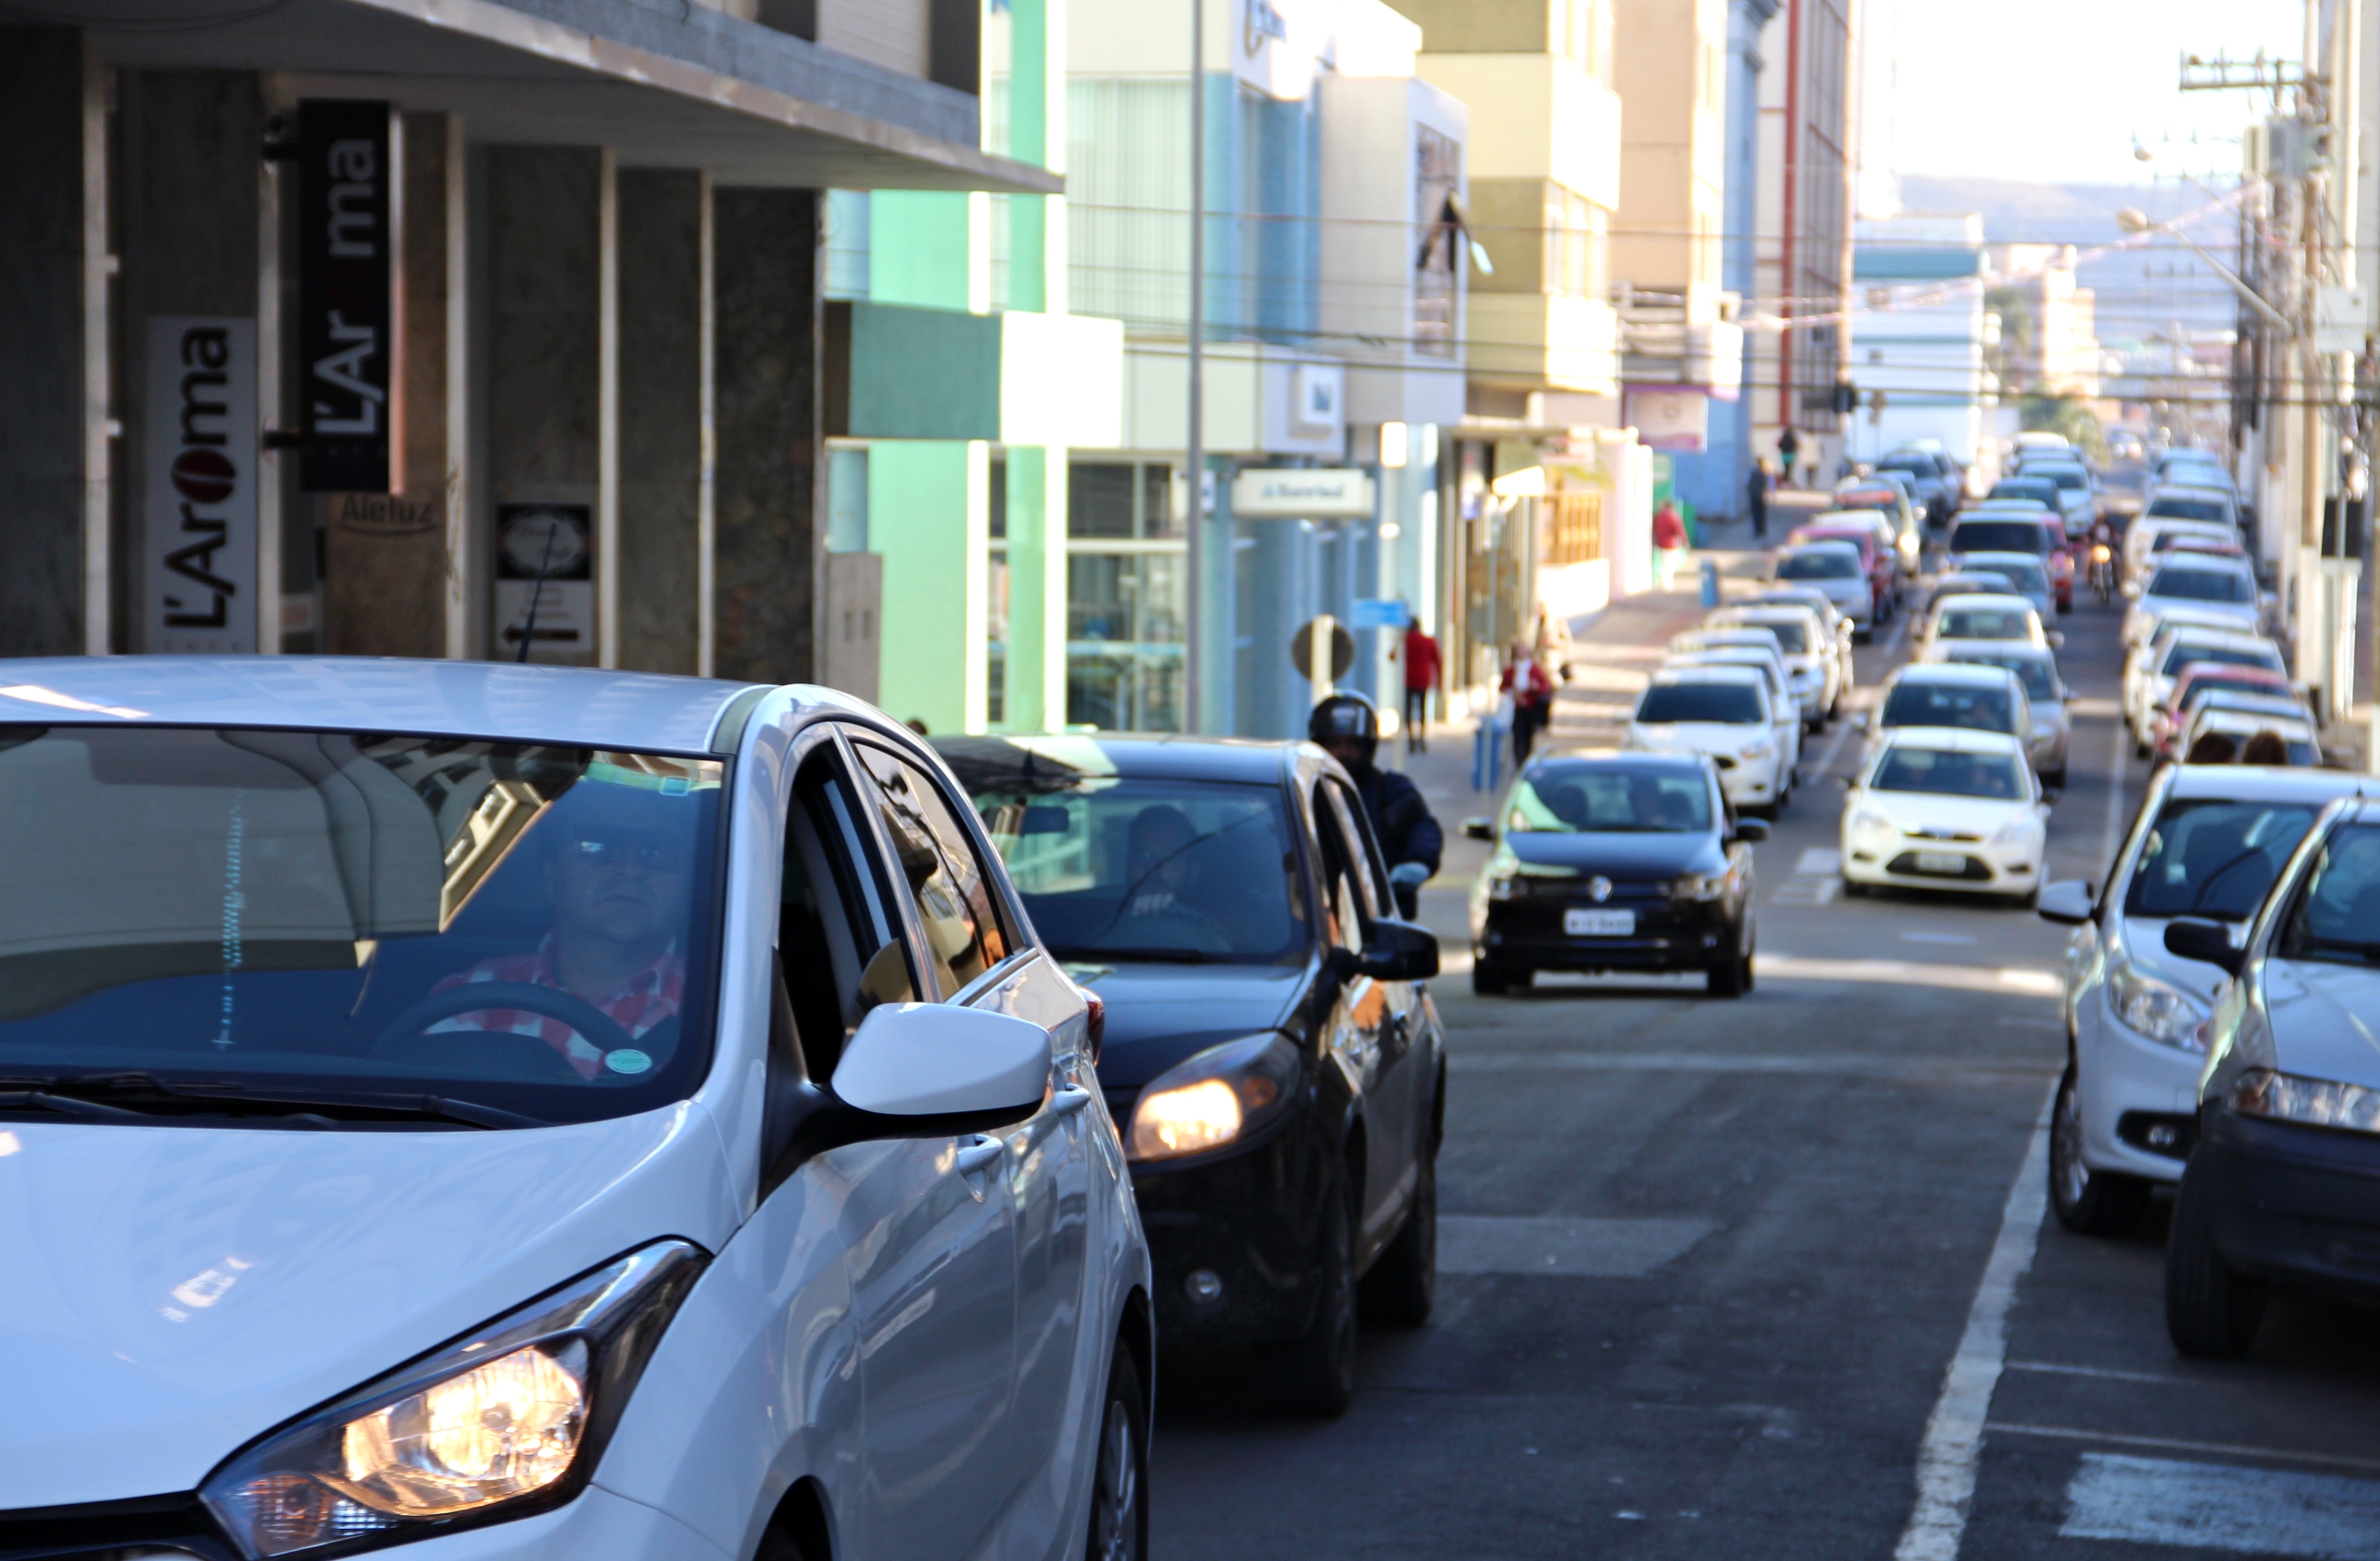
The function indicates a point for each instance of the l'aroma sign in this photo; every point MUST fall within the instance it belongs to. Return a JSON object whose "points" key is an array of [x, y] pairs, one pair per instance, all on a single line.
{"points": [[349, 318]]}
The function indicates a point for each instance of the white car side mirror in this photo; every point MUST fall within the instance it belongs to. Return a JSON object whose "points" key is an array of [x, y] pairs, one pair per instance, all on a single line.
{"points": [[932, 1059]]}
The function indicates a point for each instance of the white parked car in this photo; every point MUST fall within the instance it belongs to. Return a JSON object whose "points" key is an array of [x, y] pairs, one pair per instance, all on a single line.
{"points": [[2176, 515], [2149, 670], [1937, 807], [2207, 842], [1838, 640], [1722, 711], [1835, 569], [1809, 651], [1784, 708], [1987, 616], [2198, 587], [534, 1112]]}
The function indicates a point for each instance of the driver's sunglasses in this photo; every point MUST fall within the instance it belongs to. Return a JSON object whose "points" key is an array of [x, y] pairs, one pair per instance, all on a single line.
{"points": [[616, 851]]}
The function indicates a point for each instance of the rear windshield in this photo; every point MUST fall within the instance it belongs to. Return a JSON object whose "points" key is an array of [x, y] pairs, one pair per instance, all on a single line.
{"points": [[1793, 638], [360, 919], [2039, 678], [1188, 872], [2028, 578], [1576, 798], [2190, 509], [2184, 654], [2211, 857], [1673, 704], [2038, 489], [1925, 703], [1984, 623], [1950, 773], [1916, 466], [2202, 584], [2337, 915], [2064, 476], [1968, 584], [1999, 537], [1829, 564]]}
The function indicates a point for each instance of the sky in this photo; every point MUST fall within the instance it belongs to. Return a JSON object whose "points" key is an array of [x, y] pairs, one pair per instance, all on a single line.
{"points": [[2057, 91]]}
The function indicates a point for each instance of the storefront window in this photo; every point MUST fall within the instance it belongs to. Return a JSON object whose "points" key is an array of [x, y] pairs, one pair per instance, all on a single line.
{"points": [[1124, 597]]}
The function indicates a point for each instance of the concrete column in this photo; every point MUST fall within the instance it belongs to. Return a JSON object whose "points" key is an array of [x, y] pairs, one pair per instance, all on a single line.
{"points": [[769, 267], [661, 402], [1037, 589], [386, 557], [42, 373], [929, 515], [543, 350], [191, 143]]}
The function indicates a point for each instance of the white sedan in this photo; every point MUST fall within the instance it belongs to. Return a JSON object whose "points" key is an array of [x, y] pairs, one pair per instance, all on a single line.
{"points": [[1725, 712], [1936, 807], [481, 1115]]}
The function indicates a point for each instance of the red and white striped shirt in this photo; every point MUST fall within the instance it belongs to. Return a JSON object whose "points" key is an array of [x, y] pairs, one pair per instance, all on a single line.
{"points": [[637, 1004]]}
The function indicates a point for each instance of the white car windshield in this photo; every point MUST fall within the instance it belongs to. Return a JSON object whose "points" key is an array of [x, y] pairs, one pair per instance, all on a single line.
{"points": [[2338, 914], [2040, 679], [1950, 772], [1608, 798], [1829, 564], [2202, 584], [2189, 509], [1984, 623], [2184, 654], [1673, 704], [1791, 637], [2208, 856], [359, 916], [1923, 702]]}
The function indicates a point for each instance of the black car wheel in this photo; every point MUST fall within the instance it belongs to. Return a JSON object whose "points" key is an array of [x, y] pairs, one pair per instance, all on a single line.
{"points": [[1403, 1285], [1489, 979], [2091, 1202], [1731, 974], [1316, 1374], [1119, 1492], [2211, 1309]]}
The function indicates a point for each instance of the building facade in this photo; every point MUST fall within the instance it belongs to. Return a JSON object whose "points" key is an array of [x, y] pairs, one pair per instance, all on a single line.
{"points": [[1924, 336]]}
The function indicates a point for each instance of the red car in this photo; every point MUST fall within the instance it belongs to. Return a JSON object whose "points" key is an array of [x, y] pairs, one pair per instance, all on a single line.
{"points": [[1883, 569], [2196, 681]]}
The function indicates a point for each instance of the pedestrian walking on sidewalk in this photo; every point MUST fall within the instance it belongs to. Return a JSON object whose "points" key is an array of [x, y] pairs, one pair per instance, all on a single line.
{"points": [[1419, 653], [1789, 449], [1668, 544], [1531, 691], [1756, 498]]}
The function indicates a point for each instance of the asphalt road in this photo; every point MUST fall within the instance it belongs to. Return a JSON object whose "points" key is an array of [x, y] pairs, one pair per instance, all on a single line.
{"points": [[1709, 1265]]}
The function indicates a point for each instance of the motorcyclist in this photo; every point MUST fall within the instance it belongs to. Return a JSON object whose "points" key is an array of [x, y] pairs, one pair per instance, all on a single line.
{"points": [[2102, 575], [1349, 729]]}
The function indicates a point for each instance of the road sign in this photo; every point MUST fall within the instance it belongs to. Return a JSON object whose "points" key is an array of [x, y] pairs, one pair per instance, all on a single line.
{"points": [[1343, 647]]}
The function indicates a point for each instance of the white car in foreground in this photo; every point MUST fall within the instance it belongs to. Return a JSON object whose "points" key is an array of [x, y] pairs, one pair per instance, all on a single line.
{"points": [[520, 1113], [2207, 842], [1722, 711], [1936, 807]]}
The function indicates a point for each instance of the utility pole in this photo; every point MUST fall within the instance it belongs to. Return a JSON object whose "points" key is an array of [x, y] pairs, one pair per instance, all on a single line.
{"points": [[1194, 559]]}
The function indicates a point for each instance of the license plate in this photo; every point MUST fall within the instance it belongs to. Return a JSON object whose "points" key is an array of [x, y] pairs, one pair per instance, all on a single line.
{"points": [[1598, 924], [1940, 861]]}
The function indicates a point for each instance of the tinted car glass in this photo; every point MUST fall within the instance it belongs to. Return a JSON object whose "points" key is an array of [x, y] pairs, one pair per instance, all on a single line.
{"points": [[2202, 584], [1109, 868], [1608, 799], [1983, 623], [2210, 858], [317, 912], [2040, 679], [2189, 509], [2027, 578], [2184, 654], [1950, 773], [958, 909], [1670, 703], [2040, 490], [1791, 638], [2337, 914], [1920, 702], [2068, 477], [1999, 537], [1829, 564]]}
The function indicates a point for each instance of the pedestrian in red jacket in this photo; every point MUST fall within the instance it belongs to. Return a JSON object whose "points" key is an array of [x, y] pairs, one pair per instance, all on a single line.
{"points": [[1669, 543], [1532, 692], [1419, 653]]}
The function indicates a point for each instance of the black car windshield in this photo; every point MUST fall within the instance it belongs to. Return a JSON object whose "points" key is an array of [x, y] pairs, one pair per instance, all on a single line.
{"points": [[2337, 914], [1921, 702], [1819, 564], [1999, 537], [1949, 772], [2040, 679], [2202, 584], [355, 917], [1674, 704], [2213, 857], [2184, 654], [2189, 509], [1608, 798], [1123, 868]]}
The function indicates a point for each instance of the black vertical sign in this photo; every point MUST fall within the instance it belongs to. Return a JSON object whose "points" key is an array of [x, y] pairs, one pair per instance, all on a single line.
{"points": [[345, 300]]}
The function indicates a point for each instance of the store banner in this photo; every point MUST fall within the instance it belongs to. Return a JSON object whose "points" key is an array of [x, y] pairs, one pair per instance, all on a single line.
{"points": [[346, 297], [1302, 493], [199, 500], [1675, 421]]}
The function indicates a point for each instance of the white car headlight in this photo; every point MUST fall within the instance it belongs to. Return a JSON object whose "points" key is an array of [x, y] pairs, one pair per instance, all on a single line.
{"points": [[2156, 1009], [2017, 831], [505, 1421], [1214, 1097], [1867, 820], [2284, 1097], [1760, 750]]}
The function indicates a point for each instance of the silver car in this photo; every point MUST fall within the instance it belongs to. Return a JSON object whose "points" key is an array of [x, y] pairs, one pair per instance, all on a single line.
{"points": [[1834, 568], [2044, 691], [2024, 573]]}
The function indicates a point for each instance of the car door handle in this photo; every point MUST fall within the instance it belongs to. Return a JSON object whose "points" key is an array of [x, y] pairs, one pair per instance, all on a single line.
{"points": [[981, 1155]]}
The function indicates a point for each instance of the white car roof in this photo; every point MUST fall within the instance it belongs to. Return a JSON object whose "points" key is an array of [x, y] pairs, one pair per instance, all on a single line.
{"points": [[1764, 612], [2176, 628], [2250, 722], [2007, 601], [1952, 648], [2233, 782], [1953, 672], [499, 700], [1954, 739], [1710, 672], [1718, 634], [1985, 561]]}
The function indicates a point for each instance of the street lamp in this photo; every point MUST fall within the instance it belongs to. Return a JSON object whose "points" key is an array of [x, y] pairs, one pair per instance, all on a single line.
{"points": [[2134, 221]]}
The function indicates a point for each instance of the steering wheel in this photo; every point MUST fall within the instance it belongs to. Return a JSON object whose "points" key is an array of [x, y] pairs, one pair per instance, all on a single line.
{"points": [[599, 1028]]}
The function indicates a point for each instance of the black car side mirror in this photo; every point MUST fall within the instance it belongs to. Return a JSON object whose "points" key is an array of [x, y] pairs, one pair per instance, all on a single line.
{"points": [[2207, 942], [1479, 829], [1752, 831], [1395, 950]]}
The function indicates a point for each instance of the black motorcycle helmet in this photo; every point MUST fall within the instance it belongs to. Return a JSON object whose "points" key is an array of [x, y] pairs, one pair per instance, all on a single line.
{"points": [[1349, 715]]}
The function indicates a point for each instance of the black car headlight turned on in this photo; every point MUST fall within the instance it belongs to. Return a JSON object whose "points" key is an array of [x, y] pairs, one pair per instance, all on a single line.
{"points": [[506, 1421], [1700, 885], [1216, 1097], [2319, 1103]]}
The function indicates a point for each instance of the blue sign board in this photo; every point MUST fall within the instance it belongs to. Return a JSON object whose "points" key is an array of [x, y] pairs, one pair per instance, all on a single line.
{"points": [[1378, 612]]}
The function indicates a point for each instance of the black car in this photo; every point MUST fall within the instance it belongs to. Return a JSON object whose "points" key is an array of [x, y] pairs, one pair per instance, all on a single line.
{"points": [[1276, 1063], [2283, 1185], [1630, 862], [1938, 479]]}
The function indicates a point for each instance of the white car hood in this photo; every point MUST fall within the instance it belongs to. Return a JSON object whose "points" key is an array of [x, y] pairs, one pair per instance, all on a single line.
{"points": [[1933, 810], [171, 1292]]}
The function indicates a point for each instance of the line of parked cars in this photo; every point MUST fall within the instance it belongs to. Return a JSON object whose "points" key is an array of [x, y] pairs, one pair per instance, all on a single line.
{"points": [[511, 1111]]}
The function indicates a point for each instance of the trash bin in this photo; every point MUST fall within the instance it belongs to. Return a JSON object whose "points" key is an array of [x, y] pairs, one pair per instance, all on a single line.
{"points": [[1710, 582]]}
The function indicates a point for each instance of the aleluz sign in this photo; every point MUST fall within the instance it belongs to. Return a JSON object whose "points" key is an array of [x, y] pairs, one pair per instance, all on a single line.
{"points": [[198, 499], [346, 302]]}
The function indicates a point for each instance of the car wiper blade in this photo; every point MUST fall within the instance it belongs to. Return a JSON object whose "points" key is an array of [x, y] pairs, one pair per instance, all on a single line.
{"points": [[66, 1106], [324, 1109]]}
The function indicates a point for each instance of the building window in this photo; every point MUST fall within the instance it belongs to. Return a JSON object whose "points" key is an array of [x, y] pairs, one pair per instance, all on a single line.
{"points": [[1124, 596], [847, 243], [1574, 526], [1438, 167], [1576, 245]]}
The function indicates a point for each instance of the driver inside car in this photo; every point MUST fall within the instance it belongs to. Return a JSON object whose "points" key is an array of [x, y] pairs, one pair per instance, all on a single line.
{"points": [[614, 871]]}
